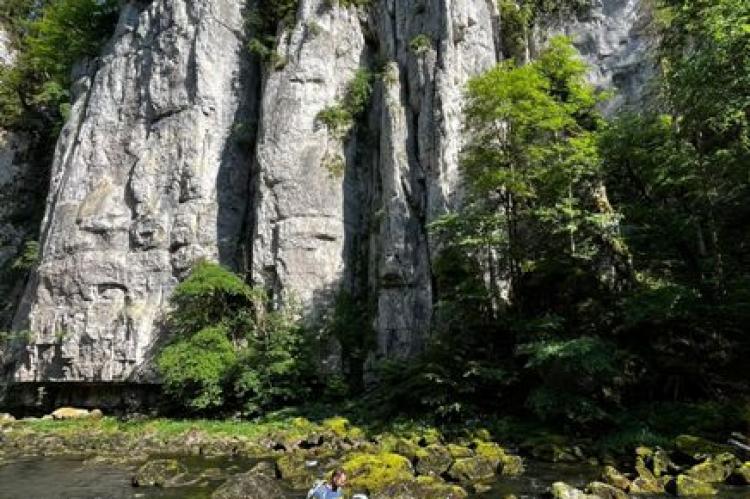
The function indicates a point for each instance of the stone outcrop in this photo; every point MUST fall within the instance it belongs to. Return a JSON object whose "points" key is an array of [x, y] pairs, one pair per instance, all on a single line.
{"points": [[146, 179], [180, 147]]}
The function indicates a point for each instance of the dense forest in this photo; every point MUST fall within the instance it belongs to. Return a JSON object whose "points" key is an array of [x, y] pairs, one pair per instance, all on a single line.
{"points": [[599, 266]]}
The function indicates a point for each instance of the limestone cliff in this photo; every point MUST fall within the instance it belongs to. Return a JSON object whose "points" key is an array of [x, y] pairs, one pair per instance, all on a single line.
{"points": [[180, 146]]}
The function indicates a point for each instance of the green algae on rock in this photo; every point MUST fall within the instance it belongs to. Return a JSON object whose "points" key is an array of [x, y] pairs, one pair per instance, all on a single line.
{"points": [[255, 484], [472, 469], [605, 491], [715, 469], [422, 487], [434, 459], [688, 486], [159, 473], [375, 472]]}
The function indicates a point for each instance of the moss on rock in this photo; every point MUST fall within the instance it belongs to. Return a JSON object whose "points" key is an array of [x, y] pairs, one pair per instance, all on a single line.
{"points": [[458, 451], [375, 472], [158, 473], [472, 469], [611, 476], [715, 469], [689, 486], [433, 460], [605, 491], [423, 487], [697, 447], [741, 475]]}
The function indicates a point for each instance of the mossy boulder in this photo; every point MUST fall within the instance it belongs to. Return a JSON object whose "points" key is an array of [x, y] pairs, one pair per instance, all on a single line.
{"points": [[255, 484], [660, 463], [504, 463], [512, 466], [375, 472], [472, 469], [645, 482], [423, 487], [605, 491], [611, 476], [741, 475], [293, 469], [561, 490], [429, 436], [642, 485], [342, 428], [715, 469], [433, 460], [458, 451], [159, 473], [407, 448], [553, 453], [688, 486], [697, 447], [481, 434]]}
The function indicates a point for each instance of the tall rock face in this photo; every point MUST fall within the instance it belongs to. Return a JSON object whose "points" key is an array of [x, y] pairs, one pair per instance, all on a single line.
{"points": [[18, 207], [147, 177], [152, 174]]}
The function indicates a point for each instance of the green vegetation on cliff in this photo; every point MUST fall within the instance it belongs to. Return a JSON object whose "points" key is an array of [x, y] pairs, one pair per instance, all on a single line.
{"points": [[228, 351]]}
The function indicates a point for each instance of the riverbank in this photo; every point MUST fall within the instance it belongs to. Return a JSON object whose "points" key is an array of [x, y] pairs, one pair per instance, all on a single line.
{"points": [[282, 455]]}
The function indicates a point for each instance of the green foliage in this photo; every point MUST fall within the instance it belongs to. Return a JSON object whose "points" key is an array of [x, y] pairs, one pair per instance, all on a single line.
{"points": [[577, 375], [679, 174], [195, 370], [274, 369], [50, 37], [265, 21], [228, 350], [535, 217], [420, 44], [340, 117], [518, 17]]}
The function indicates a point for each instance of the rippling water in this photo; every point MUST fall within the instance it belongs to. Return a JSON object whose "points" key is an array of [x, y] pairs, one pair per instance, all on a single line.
{"points": [[70, 478]]}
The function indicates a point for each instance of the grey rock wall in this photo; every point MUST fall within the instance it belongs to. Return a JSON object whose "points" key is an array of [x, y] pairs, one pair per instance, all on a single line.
{"points": [[147, 178], [154, 170]]}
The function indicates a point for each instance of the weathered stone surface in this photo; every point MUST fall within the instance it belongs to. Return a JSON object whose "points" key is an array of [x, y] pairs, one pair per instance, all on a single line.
{"points": [[614, 39], [741, 475], [433, 460], [73, 413], [561, 490], [689, 486], [605, 491], [611, 476], [472, 469], [255, 484], [177, 149], [147, 178], [715, 469], [422, 487], [159, 473]]}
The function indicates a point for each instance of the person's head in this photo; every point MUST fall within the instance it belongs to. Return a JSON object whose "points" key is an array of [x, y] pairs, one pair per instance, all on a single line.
{"points": [[338, 478]]}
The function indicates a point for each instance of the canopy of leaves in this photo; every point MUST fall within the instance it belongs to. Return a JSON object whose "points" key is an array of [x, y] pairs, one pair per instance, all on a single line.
{"points": [[228, 351]]}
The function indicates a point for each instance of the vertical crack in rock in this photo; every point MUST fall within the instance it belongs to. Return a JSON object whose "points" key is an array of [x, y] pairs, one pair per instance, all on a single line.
{"points": [[435, 46], [299, 232]]}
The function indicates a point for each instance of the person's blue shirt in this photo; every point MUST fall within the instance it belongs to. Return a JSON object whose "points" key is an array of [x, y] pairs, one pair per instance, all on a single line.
{"points": [[324, 491]]}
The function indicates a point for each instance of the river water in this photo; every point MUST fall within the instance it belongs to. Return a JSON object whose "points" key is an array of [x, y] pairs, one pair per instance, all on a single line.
{"points": [[71, 478]]}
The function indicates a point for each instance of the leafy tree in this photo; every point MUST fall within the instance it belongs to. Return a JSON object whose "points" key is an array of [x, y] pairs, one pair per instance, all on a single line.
{"points": [[228, 350], [679, 174], [196, 369], [49, 37]]}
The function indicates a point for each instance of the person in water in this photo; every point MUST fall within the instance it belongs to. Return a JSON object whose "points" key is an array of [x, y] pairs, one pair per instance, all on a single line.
{"points": [[330, 490]]}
